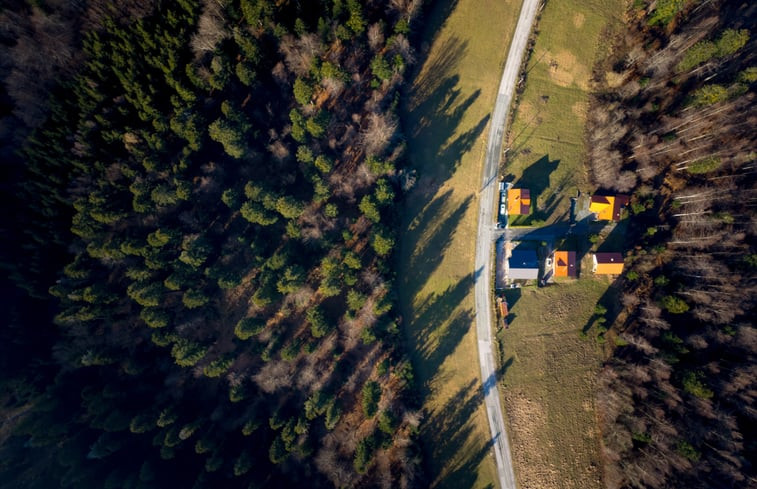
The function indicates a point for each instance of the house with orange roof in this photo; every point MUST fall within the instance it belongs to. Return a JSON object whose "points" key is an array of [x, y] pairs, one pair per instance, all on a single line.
{"points": [[518, 201], [565, 263], [608, 207], [607, 263]]}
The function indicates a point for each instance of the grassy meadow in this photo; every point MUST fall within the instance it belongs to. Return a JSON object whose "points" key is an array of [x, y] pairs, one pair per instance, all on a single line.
{"points": [[446, 115], [549, 379], [546, 139], [550, 366]]}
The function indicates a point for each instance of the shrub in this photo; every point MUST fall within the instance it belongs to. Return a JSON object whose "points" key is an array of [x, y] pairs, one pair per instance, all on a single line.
{"points": [[687, 450], [694, 385], [665, 11], [697, 54], [193, 299], [324, 163], [304, 154], [218, 367], [674, 305], [318, 324], [704, 165], [661, 281], [731, 41], [364, 453], [187, 353], [371, 396], [333, 414], [154, 317], [248, 327], [382, 242], [369, 209], [387, 422], [381, 68], [709, 94], [303, 91]]}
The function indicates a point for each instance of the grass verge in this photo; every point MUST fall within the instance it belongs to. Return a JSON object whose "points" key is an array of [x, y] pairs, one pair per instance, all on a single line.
{"points": [[446, 114], [546, 140]]}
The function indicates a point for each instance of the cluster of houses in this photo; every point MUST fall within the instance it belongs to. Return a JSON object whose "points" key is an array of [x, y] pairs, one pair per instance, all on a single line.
{"points": [[523, 264]]}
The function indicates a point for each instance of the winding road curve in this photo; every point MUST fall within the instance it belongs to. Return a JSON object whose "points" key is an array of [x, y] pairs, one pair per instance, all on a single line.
{"points": [[482, 274]]}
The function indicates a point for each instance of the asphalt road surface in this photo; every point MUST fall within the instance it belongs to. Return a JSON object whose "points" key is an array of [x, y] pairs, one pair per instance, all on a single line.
{"points": [[486, 219]]}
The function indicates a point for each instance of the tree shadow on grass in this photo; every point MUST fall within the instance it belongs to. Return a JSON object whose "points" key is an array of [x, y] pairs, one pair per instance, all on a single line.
{"points": [[436, 141], [433, 109], [451, 428], [434, 73], [609, 302], [502, 370], [439, 329], [616, 239], [428, 236]]}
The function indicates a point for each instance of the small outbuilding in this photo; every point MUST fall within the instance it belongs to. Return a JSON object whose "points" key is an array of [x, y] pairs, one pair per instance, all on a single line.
{"points": [[607, 263], [565, 263]]}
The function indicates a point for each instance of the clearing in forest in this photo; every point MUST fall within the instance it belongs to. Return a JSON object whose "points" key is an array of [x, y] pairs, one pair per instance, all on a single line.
{"points": [[546, 140], [550, 372], [446, 114], [550, 366]]}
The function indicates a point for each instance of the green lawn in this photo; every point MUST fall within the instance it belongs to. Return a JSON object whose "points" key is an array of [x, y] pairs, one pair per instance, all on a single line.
{"points": [[446, 115], [549, 381], [546, 139]]}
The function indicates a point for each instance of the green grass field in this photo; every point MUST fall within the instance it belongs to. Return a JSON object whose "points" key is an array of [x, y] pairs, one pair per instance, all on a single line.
{"points": [[549, 382], [446, 116], [550, 368], [546, 139]]}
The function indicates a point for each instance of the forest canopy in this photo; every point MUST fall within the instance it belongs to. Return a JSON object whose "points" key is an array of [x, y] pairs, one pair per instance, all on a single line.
{"points": [[205, 209], [676, 398]]}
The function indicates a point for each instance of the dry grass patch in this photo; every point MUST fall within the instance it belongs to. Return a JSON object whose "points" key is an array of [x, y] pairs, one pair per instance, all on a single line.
{"points": [[565, 70], [580, 109], [578, 20], [549, 385]]}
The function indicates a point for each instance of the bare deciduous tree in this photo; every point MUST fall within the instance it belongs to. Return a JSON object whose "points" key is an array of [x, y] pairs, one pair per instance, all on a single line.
{"points": [[211, 28], [376, 36], [299, 52], [380, 130]]}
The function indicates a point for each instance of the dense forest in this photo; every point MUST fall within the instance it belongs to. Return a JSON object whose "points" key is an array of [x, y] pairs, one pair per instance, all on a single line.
{"points": [[200, 197], [674, 124]]}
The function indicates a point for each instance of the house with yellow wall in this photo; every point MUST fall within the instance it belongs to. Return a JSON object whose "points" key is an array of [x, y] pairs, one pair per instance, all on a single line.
{"points": [[608, 207], [607, 263]]}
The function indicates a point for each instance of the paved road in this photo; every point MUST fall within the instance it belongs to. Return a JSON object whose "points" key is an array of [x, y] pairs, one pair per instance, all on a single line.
{"points": [[484, 244]]}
